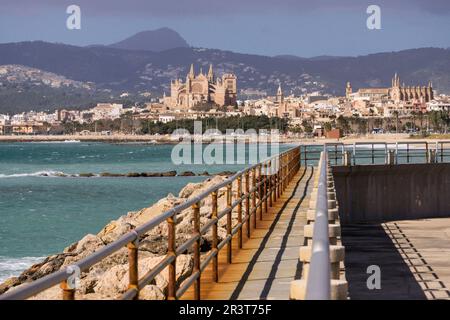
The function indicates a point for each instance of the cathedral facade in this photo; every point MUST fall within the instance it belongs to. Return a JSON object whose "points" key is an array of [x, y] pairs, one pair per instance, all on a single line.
{"points": [[397, 92], [202, 88]]}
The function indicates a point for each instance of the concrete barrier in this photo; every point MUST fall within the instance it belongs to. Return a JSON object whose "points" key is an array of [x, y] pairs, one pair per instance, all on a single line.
{"points": [[376, 193]]}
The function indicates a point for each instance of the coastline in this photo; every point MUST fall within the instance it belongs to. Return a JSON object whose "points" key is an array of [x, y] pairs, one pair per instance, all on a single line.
{"points": [[108, 278], [167, 139]]}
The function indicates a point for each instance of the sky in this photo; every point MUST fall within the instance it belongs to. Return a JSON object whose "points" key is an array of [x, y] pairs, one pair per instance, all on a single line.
{"points": [[296, 27]]}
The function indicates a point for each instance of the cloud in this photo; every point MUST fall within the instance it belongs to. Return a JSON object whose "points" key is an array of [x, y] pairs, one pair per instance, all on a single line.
{"points": [[186, 8]]}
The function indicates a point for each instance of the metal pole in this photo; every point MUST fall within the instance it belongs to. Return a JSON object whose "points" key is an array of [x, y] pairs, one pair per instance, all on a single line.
{"points": [[239, 209], [171, 250], [229, 248], [247, 203], [133, 267], [196, 269], [215, 260]]}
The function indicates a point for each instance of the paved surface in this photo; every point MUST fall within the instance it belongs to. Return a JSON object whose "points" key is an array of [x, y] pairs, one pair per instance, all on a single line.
{"points": [[268, 260], [413, 256]]}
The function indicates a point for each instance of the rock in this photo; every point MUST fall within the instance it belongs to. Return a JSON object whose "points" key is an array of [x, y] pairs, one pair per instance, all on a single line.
{"points": [[133, 175], [53, 293], [111, 283], [187, 174], [9, 283], [155, 244], [226, 173], [151, 292], [89, 244], [115, 229], [86, 175], [161, 206], [151, 174], [113, 175], [193, 189], [204, 173], [114, 282], [169, 174], [61, 175]]}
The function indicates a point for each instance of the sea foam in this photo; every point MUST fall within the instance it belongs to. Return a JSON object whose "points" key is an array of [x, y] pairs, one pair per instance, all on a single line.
{"points": [[10, 267]]}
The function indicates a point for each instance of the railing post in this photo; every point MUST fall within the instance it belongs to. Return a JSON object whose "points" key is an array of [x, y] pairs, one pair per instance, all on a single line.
{"points": [[239, 209], [254, 209], [347, 159], [215, 260], [229, 247], [260, 188], [270, 183], [133, 267], [390, 157], [278, 178], [171, 250], [196, 218], [247, 204], [265, 188], [68, 293]]}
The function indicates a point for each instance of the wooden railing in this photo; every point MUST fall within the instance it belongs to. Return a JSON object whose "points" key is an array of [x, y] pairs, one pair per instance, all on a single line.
{"points": [[263, 185]]}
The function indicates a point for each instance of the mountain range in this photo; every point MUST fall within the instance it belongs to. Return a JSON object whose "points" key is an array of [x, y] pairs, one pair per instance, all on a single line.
{"points": [[148, 61]]}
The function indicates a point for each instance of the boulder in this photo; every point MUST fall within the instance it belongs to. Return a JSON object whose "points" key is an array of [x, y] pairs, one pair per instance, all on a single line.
{"points": [[161, 206], [133, 175], [187, 174], [114, 282], [151, 292], [169, 174], [86, 246], [115, 229], [86, 175]]}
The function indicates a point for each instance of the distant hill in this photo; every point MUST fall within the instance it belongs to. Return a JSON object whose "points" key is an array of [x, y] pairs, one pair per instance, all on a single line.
{"points": [[153, 40], [137, 71]]}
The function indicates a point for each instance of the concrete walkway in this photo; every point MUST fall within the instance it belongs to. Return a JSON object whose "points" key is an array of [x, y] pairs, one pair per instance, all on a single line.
{"points": [[413, 256], [268, 260]]}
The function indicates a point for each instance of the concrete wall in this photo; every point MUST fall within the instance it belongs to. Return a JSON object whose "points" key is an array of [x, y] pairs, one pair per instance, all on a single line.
{"points": [[376, 193]]}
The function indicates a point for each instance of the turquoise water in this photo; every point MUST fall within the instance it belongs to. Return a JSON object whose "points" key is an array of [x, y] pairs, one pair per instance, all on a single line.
{"points": [[41, 215]]}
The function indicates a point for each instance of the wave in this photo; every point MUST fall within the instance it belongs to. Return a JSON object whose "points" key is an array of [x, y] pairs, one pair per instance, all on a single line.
{"points": [[38, 174], [58, 141], [10, 267]]}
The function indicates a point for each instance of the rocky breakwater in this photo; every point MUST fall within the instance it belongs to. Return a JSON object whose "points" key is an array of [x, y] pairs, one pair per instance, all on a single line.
{"points": [[108, 279]]}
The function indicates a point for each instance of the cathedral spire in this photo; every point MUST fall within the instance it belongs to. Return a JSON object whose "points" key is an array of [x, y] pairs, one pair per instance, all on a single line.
{"points": [[191, 71], [210, 73], [280, 97]]}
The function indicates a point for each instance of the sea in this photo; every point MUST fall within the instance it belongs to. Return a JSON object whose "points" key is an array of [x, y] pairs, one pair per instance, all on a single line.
{"points": [[45, 205]]}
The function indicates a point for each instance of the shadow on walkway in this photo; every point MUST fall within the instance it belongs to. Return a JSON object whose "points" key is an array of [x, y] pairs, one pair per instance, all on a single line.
{"points": [[369, 244]]}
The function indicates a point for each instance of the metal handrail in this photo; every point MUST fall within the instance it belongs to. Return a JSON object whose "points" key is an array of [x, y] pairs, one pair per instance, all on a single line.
{"points": [[271, 183], [318, 286], [311, 152]]}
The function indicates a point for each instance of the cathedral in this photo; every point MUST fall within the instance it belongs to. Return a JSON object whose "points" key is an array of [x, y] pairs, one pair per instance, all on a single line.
{"points": [[397, 92], [202, 88]]}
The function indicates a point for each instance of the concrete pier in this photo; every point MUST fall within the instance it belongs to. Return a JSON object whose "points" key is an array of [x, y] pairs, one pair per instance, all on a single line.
{"points": [[413, 257]]}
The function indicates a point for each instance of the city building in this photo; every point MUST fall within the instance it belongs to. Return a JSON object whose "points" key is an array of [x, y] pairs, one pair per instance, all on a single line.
{"points": [[397, 92], [202, 88]]}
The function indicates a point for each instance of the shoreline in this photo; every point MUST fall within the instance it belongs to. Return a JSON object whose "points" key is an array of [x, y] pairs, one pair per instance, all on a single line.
{"points": [[159, 140], [99, 282]]}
